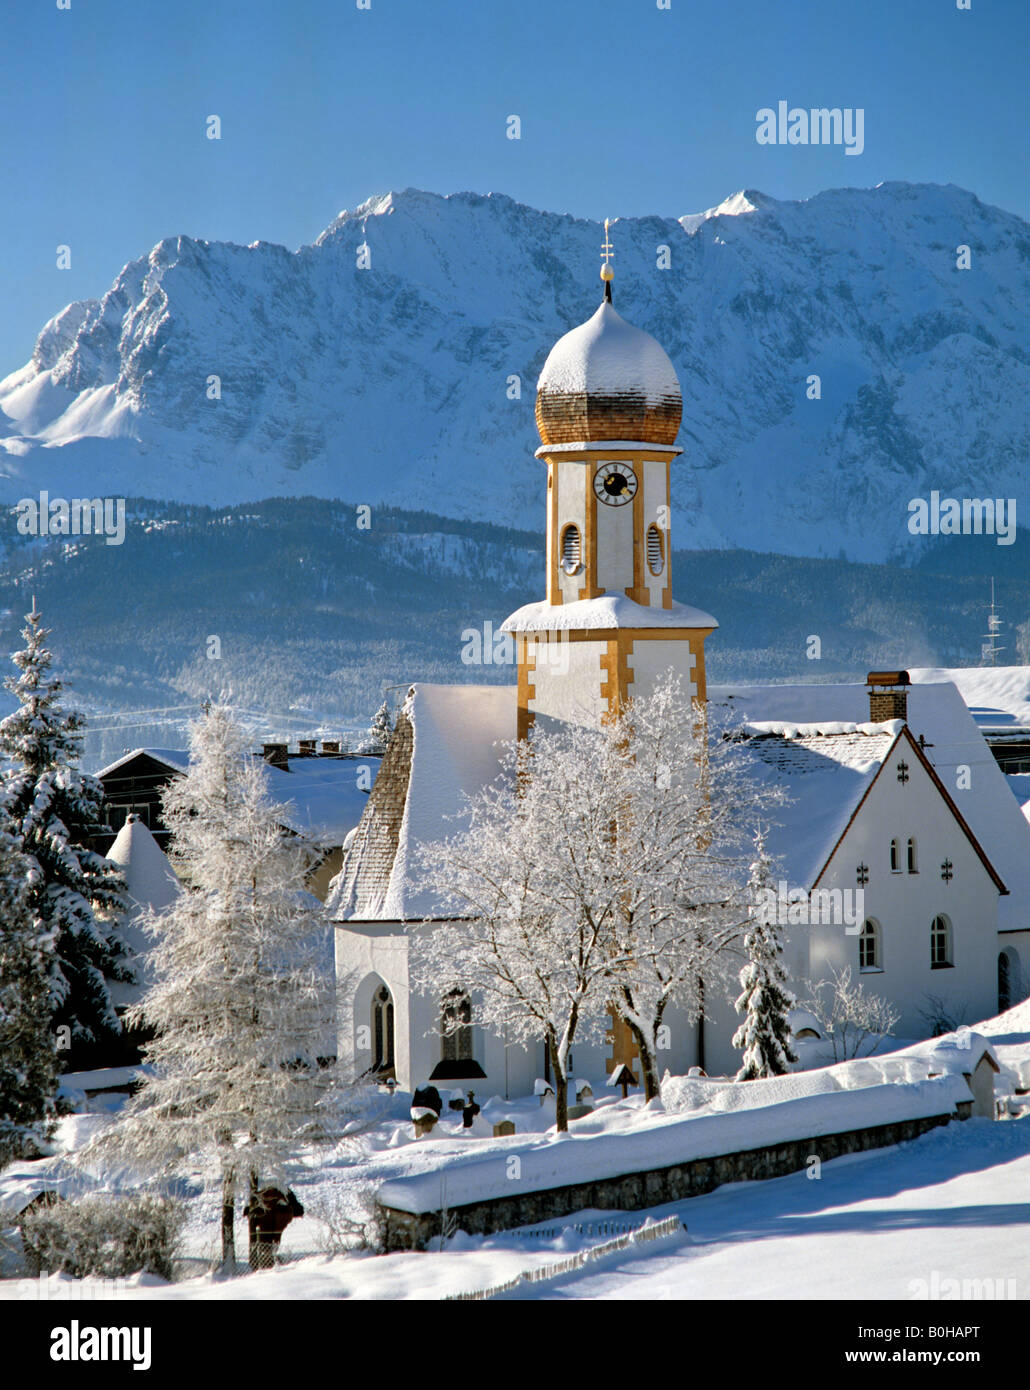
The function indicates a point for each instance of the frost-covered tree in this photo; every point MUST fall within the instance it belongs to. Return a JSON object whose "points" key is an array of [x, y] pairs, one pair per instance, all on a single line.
{"points": [[765, 1000], [526, 881], [377, 740], [602, 871], [686, 810], [243, 999], [50, 809], [849, 1016], [28, 1056]]}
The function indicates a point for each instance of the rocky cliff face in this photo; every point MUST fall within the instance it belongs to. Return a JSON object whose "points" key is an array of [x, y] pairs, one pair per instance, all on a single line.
{"points": [[379, 364]]}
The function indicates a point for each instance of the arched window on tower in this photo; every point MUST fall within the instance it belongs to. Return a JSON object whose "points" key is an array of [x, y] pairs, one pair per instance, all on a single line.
{"points": [[895, 857], [913, 864], [571, 550], [655, 550]]}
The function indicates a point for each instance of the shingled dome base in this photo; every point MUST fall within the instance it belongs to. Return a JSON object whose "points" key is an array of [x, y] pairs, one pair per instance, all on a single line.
{"points": [[608, 380]]}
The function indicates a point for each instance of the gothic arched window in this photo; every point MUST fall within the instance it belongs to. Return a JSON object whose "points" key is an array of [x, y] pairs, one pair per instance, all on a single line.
{"points": [[456, 1026], [382, 1030]]}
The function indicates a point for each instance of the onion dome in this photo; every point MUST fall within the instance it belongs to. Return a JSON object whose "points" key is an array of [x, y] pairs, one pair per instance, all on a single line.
{"points": [[608, 381]]}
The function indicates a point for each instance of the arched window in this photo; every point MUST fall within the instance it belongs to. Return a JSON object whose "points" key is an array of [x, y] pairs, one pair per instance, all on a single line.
{"points": [[913, 866], [1004, 982], [869, 946], [655, 550], [382, 1030], [456, 1026], [940, 942], [895, 858], [571, 550]]}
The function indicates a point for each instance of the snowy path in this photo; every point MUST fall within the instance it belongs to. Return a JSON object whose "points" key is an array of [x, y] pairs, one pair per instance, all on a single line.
{"points": [[956, 1202]]}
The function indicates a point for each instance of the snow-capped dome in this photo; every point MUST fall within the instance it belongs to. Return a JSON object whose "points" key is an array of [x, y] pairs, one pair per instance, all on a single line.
{"points": [[152, 884], [608, 380], [149, 876]]}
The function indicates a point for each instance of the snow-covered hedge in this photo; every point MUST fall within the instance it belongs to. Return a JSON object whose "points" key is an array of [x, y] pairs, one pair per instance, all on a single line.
{"points": [[103, 1235]]}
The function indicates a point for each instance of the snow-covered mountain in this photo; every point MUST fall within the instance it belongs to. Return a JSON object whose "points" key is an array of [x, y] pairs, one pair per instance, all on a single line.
{"points": [[392, 382]]}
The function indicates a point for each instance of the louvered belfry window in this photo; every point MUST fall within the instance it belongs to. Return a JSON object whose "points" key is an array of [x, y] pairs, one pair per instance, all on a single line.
{"points": [[655, 550], [570, 549]]}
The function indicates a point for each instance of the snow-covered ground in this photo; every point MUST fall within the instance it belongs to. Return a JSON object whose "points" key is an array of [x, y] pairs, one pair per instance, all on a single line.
{"points": [[949, 1206]]}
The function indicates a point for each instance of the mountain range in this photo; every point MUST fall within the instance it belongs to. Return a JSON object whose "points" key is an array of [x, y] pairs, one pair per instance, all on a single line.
{"points": [[393, 363]]}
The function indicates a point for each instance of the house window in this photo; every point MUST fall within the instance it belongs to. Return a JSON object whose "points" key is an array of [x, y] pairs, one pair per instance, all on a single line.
{"points": [[382, 1030], [895, 858], [655, 550], [940, 943], [869, 946], [456, 1026], [913, 866], [571, 550]]}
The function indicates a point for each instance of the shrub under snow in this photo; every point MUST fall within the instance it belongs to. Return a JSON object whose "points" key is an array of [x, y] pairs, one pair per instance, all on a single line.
{"points": [[105, 1236]]}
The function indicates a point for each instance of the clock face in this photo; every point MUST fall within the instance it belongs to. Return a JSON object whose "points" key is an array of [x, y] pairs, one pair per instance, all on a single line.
{"points": [[615, 484]]}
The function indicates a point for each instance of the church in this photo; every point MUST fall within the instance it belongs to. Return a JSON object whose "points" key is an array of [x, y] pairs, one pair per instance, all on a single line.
{"points": [[878, 800]]}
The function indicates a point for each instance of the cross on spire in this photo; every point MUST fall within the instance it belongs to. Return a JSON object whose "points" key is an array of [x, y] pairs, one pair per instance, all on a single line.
{"points": [[607, 269]]}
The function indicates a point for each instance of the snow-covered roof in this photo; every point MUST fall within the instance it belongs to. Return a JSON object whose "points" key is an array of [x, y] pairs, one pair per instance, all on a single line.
{"points": [[826, 776], [176, 758], [322, 798], [608, 611], [447, 745], [998, 697], [608, 356], [952, 740]]}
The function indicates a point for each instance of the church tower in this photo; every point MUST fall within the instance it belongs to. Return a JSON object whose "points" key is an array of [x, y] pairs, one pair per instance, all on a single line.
{"points": [[608, 410]]}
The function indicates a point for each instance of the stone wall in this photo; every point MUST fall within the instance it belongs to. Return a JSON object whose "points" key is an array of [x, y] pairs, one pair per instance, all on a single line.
{"points": [[637, 1191]]}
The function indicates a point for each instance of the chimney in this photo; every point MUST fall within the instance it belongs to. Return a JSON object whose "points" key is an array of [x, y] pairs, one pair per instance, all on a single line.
{"points": [[330, 745], [275, 755], [888, 695], [308, 747]]}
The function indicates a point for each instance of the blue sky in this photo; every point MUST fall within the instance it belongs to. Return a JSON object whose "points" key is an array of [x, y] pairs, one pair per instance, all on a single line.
{"points": [[626, 110]]}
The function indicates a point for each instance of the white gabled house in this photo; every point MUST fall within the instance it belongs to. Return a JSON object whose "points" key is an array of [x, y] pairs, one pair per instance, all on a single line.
{"points": [[887, 876]]}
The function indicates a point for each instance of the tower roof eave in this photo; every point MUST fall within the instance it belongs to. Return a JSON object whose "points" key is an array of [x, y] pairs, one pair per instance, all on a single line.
{"points": [[610, 612], [608, 445]]}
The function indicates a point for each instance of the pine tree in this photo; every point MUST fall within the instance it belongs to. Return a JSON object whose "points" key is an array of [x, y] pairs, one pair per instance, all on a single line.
{"points": [[51, 809], [766, 1001], [380, 732], [243, 999], [28, 1057]]}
